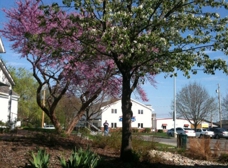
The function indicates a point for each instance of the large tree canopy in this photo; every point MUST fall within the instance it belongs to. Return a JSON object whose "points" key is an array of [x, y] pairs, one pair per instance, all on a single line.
{"points": [[142, 38], [148, 37], [195, 104]]}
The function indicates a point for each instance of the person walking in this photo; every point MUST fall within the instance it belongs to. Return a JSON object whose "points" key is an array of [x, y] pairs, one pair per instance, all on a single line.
{"points": [[106, 130]]}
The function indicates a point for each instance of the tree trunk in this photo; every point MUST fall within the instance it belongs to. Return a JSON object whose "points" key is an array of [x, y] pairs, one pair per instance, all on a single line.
{"points": [[126, 146], [56, 123]]}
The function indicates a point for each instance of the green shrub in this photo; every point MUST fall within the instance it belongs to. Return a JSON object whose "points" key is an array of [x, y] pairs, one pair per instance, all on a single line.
{"points": [[135, 130], [81, 158], [40, 160], [147, 130], [4, 130], [84, 131], [223, 158], [113, 141], [160, 131]]}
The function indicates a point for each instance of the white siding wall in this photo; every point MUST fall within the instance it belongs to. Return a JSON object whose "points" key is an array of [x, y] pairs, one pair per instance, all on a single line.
{"points": [[14, 109], [4, 97], [3, 108], [4, 102], [112, 117], [144, 118], [170, 123]]}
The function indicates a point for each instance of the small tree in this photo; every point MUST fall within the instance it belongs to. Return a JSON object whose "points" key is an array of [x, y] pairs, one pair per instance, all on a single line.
{"points": [[25, 86], [194, 103]]}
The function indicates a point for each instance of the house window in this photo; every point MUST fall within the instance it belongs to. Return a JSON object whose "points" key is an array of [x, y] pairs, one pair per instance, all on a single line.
{"points": [[140, 111], [114, 111], [164, 126], [113, 125], [140, 125]]}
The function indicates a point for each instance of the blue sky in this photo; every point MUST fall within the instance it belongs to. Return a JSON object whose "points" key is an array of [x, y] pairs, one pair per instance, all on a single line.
{"points": [[161, 96]]}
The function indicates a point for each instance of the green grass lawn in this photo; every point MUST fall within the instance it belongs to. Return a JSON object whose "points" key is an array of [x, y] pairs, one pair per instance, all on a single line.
{"points": [[155, 134]]}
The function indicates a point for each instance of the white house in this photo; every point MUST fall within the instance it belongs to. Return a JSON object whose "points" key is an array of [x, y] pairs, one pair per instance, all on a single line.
{"points": [[142, 115], [8, 98]]}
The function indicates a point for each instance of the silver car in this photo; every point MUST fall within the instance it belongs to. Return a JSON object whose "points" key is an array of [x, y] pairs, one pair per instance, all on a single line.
{"points": [[182, 131], [202, 131], [186, 131], [49, 127]]}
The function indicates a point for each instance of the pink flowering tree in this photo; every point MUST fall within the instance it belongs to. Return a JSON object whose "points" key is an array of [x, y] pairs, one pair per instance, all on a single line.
{"points": [[59, 64]]}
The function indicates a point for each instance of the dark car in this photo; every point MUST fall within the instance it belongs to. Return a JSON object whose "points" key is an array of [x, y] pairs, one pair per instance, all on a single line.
{"points": [[219, 133], [170, 132]]}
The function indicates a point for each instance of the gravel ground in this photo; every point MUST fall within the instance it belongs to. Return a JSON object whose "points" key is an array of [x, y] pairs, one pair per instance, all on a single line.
{"points": [[179, 160]]}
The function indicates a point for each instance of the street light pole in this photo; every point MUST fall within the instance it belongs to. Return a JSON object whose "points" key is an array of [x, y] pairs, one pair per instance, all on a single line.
{"points": [[220, 111], [2, 48], [174, 106]]}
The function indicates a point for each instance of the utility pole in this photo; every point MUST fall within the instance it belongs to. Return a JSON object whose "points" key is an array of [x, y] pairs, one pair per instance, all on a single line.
{"points": [[219, 101], [174, 106], [2, 48], [211, 119]]}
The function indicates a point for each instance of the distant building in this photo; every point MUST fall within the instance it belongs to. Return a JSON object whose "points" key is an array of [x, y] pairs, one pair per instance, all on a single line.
{"points": [[168, 123], [224, 124], [141, 119], [8, 98]]}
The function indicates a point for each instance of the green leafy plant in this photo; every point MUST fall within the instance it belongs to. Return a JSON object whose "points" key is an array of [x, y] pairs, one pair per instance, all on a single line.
{"points": [[147, 130], [160, 131], [80, 158], [135, 130], [40, 160], [113, 141], [223, 158]]}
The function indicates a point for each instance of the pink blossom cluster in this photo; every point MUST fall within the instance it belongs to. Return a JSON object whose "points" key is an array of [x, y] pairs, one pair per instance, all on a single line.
{"points": [[46, 40]]}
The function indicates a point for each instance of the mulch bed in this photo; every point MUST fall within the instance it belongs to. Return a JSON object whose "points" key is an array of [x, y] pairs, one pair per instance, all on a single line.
{"points": [[16, 149]]}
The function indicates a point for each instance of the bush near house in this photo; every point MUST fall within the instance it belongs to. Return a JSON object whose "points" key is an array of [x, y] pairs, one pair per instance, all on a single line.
{"points": [[160, 131]]}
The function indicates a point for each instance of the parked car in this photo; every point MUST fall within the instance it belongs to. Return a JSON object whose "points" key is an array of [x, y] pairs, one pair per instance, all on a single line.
{"points": [[219, 133], [202, 131], [49, 127], [182, 131], [170, 132], [186, 131]]}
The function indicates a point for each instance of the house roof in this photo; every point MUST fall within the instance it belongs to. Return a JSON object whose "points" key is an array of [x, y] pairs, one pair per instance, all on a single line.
{"points": [[115, 100], [214, 123], [6, 72], [5, 89]]}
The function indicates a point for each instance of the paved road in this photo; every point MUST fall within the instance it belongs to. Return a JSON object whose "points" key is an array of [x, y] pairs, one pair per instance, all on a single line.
{"points": [[223, 143], [168, 141]]}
